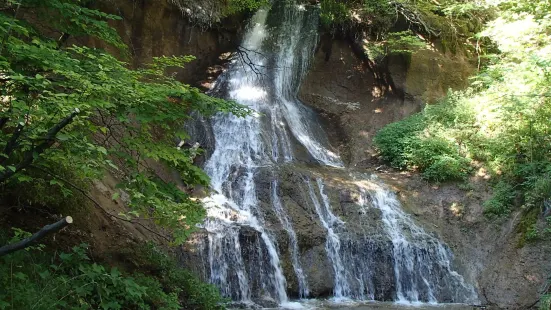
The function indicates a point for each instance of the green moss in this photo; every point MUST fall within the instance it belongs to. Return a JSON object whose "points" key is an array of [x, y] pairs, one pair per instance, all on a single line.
{"points": [[527, 228]]}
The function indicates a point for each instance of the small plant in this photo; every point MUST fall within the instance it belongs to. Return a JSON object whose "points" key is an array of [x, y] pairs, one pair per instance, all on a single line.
{"points": [[501, 201], [236, 6], [532, 233], [545, 302]]}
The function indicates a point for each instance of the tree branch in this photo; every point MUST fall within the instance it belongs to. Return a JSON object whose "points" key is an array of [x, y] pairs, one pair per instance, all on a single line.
{"points": [[31, 154], [98, 205], [12, 143], [46, 230]]}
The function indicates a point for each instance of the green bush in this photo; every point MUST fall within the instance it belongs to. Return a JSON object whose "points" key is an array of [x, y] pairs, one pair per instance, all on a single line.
{"points": [[34, 279], [405, 145], [446, 167], [195, 293], [538, 190], [545, 302], [236, 6], [429, 150], [501, 201], [333, 12], [396, 141]]}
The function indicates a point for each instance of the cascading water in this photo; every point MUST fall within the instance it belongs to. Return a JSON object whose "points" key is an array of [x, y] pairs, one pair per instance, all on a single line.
{"points": [[333, 243], [244, 144], [397, 261], [421, 262], [295, 255]]}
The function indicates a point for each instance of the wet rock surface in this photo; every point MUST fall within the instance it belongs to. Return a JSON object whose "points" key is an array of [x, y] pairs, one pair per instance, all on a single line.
{"points": [[486, 251], [364, 243]]}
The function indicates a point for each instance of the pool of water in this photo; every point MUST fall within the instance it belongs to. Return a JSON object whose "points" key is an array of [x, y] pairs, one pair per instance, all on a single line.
{"points": [[355, 305]]}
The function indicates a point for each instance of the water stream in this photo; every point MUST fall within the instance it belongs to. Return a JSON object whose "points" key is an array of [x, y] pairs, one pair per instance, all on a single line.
{"points": [[243, 248]]}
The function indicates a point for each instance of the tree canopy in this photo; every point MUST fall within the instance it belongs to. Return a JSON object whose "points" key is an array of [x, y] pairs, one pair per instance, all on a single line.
{"points": [[70, 113]]}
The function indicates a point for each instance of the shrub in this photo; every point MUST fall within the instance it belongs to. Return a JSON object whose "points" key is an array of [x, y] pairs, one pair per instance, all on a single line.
{"points": [[34, 279], [446, 167], [395, 141], [194, 293], [69, 280], [429, 150], [538, 190], [501, 201], [333, 13]]}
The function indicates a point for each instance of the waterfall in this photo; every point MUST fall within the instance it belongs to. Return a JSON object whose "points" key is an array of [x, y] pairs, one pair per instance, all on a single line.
{"points": [[267, 82], [333, 243], [421, 262], [249, 223]]}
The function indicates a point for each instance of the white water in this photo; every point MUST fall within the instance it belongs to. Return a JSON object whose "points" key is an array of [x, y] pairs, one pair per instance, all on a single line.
{"points": [[242, 145], [417, 255], [333, 243], [295, 255], [243, 257]]}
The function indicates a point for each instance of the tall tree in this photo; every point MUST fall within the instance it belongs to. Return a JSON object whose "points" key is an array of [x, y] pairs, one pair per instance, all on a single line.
{"points": [[71, 108]]}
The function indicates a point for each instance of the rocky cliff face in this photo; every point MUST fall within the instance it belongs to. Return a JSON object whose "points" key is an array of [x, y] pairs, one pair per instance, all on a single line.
{"points": [[166, 27], [355, 105], [356, 101], [508, 275]]}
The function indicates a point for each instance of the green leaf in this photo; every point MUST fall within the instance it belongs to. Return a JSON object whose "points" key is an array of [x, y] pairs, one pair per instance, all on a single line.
{"points": [[63, 137], [45, 274], [19, 275]]}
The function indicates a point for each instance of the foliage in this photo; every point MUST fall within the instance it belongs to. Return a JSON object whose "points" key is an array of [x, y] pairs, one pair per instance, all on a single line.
{"points": [[545, 302], [453, 22], [82, 110], [33, 279], [500, 124], [502, 199], [333, 12], [236, 6], [446, 167], [401, 42], [197, 294], [406, 145], [396, 141]]}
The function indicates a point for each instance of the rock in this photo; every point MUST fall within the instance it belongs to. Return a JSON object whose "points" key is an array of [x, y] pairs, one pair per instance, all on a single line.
{"points": [[319, 271]]}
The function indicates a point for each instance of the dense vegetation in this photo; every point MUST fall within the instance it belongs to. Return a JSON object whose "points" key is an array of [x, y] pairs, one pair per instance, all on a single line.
{"points": [[73, 108], [499, 127], [37, 280], [71, 114], [398, 25]]}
